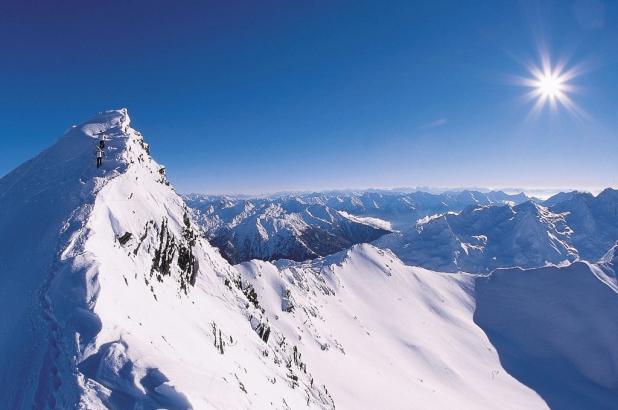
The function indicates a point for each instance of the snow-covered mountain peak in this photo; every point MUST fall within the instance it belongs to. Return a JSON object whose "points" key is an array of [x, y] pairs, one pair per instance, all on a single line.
{"points": [[107, 120], [111, 298], [355, 310], [609, 194], [527, 207], [121, 303]]}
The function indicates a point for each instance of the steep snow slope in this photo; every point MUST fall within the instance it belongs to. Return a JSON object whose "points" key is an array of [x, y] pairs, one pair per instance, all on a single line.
{"points": [[269, 230], [110, 298], [555, 330], [385, 335], [42, 202], [482, 238]]}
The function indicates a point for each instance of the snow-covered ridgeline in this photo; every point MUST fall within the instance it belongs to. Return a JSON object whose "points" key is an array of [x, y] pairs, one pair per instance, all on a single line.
{"points": [[129, 306], [386, 335]]}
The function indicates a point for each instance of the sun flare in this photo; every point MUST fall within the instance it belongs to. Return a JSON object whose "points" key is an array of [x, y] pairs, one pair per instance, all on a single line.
{"points": [[551, 86]]}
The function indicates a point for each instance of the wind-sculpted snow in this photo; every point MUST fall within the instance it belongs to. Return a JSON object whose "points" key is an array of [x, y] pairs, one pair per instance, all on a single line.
{"points": [[306, 226], [112, 299], [43, 203]]}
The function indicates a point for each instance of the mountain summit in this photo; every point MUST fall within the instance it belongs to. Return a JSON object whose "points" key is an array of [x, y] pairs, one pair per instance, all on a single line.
{"points": [[111, 298]]}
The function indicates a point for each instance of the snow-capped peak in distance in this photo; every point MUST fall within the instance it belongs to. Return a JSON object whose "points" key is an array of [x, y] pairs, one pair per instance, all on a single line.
{"points": [[111, 299], [482, 238], [306, 226]]}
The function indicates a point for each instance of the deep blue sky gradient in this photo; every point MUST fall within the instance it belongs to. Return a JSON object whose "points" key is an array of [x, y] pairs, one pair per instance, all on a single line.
{"points": [[248, 96]]}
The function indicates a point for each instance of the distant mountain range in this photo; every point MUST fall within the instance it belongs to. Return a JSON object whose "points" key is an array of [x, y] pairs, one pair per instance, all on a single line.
{"points": [[453, 231], [305, 226]]}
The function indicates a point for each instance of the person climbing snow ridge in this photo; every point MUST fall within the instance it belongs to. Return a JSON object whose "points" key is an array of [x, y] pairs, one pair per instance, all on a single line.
{"points": [[100, 153]]}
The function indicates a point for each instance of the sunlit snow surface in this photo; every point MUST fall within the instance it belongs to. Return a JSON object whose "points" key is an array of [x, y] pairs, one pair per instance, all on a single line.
{"points": [[89, 322], [385, 335], [111, 298]]}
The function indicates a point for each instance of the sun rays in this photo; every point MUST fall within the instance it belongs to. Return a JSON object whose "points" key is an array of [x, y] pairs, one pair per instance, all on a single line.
{"points": [[551, 86]]}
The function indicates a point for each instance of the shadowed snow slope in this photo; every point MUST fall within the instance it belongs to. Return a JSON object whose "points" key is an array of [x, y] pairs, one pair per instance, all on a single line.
{"points": [[556, 331], [111, 299]]}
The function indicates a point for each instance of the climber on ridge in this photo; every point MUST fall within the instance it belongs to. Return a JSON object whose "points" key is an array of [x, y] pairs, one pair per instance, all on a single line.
{"points": [[100, 151], [100, 154]]}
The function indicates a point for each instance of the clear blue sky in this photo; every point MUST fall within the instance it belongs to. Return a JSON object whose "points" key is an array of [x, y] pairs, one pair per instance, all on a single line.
{"points": [[264, 96]]}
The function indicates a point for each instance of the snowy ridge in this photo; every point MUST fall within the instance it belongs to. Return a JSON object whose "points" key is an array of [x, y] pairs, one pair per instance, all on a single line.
{"points": [[607, 268], [130, 307], [452, 231], [386, 335]]}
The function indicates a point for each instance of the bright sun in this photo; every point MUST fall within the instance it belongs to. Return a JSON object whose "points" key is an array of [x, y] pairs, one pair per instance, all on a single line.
{"points": [[550, 85]]}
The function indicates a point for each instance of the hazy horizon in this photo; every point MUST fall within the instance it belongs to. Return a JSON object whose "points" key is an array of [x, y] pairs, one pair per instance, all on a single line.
{"points": [[540, 193]]}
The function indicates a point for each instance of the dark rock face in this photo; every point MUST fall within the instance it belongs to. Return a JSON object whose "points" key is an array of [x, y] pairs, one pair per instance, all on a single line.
{"points": [[125, 238]]}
